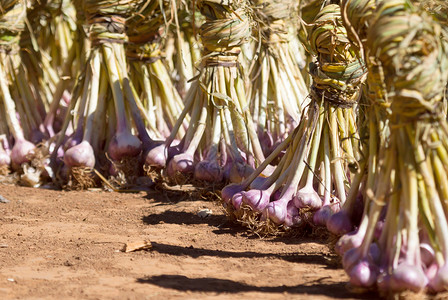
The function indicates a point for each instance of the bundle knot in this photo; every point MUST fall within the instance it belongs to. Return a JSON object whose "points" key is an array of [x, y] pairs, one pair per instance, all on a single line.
{"points": [[226, 28], [414, 59], [145, 30], [274, 17], [107, 19], [339, 71], [12, 24]]}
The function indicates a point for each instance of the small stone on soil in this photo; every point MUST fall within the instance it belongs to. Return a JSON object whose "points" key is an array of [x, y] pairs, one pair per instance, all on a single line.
{"points": [[3, 199], [204, 213], [68, 264]]}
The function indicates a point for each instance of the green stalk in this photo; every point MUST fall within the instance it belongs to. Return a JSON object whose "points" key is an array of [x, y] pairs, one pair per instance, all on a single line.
{"points": [[199, 130], [434, 200], [327, 165], [93, 97], [114, 82], [10, 110], [379, 197], [337, 156], [410, 192], [267, 161], [301, 91], [292, 148], [99, 122], [255, 143], [265, 67], [299, 159], [315, 147], [278, 91], [147, 90]]}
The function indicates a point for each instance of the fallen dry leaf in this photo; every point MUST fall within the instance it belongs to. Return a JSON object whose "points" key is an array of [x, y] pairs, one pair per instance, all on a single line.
{"points": [[136, 246]]}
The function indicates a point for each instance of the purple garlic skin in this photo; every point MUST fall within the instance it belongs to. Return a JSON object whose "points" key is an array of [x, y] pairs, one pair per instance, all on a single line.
{"points": [[81, 155], [292, 215], [229, 191], [239, 171], [209, 171], [351, 258], [124, 145], [21, 151], [427, 254], [340, 223], [227, 168], [307, 197], [439, 282], [5, 159], [256, 199], [375, 254], [173, 150], [276, 195], [237, 200], [322, 216], [348, 241], [267, 141], [73, 140], [431, 273], [408, 277], [157, 156], [37, 136], [276, 210], [363, 274], [183, 163]]}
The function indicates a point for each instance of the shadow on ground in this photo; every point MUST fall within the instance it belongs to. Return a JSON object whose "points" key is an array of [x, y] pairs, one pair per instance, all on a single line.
{"points": [[225, 226], [182, 218], [191, 251], [165, 193], [216, 285]]}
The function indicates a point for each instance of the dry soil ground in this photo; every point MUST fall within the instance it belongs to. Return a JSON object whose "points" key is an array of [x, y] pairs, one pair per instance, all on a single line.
{"points": [[67, 245]]}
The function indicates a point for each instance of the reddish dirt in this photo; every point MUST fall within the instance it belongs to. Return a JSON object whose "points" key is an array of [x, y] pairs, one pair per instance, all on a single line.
{"points": [[67, 245]]}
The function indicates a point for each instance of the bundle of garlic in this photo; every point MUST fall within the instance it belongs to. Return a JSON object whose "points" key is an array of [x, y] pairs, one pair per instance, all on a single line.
{"points": [[314, 174], [105, 117], [160, 103], [403, 244], [220, 142], [276, 89], [22, 111]]}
